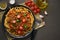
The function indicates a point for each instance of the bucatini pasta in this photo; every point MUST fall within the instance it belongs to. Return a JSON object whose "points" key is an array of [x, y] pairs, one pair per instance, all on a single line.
{"points": [[19, 21]]}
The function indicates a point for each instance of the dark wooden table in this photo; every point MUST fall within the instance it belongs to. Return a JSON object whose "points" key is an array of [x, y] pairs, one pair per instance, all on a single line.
{"points": [[52, 29]]}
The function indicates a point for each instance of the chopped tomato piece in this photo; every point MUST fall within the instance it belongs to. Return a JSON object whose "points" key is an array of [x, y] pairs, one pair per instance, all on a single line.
{"points": [[14, 21], [24, 20], [21, 28], [18, 16], [18, 32]]}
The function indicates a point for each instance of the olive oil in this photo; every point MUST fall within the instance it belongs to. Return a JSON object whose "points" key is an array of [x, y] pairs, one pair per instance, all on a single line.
{"points": [[42, 4]]}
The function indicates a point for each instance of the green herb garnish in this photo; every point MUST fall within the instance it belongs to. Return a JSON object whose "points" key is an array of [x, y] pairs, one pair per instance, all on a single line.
{"points": [[25, 26], [18, 20], [25, 14]]}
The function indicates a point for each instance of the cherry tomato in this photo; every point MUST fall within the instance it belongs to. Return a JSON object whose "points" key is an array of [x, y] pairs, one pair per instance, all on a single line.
{"points": [[29, 4], [14, 21], [32, 4], [24, 20], [18, 16], [32, 8], [35, 11], [35, 7], [38, 10], [21, 28]]}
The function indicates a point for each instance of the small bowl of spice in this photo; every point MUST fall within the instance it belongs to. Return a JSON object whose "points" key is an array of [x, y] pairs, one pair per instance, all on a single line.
{"points": [[3, 5]]}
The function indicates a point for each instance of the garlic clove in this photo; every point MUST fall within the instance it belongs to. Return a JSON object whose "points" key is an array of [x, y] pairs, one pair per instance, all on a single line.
{"points": [[41, 16], [12, 1], [45, 12]]}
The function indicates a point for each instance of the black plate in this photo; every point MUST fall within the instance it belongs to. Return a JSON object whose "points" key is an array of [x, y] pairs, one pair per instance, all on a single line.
{"points": [[3, 18]]}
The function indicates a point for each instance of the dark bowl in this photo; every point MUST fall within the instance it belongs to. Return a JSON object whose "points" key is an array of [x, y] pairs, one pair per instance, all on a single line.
{"points": [[3, 18]]}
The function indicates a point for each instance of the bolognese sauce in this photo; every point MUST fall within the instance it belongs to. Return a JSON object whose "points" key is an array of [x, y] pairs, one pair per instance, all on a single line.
{"points": [[19, 21]]}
